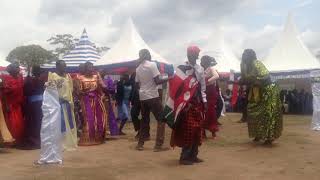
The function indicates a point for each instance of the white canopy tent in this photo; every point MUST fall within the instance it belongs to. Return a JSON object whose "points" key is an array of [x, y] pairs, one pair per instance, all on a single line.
{"points": [[290, 53], [4, 63], [127, 48], [218, 48]]}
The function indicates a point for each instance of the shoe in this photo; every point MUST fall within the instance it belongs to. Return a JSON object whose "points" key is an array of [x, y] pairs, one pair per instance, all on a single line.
{"points": [[160, 149], [198, 160], [139, 148], [185, 162], [268, 142], [122, 133]]}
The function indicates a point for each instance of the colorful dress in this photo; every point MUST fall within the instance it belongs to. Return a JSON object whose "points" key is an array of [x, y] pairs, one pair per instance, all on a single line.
{"points": [[264, 104], [93, 109], [13, 100], [33, 90], [112, 122], [68, 123]]}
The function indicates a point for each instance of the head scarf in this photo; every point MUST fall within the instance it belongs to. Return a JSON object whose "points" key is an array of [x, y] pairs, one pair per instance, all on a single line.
{"points": [[193, 50]]}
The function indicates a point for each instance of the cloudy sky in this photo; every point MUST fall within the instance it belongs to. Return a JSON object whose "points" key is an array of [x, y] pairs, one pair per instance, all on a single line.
{"points": [[168, 26]]}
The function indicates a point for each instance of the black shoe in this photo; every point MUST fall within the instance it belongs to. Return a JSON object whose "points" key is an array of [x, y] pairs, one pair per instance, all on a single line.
{"points": [[268, 142], [160, 149], [185, 162], [139, 147], [256, 140], [197, 160]]}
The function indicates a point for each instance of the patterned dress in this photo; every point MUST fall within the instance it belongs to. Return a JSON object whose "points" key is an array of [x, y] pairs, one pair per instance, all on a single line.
{"points": [[93, 110], [264, 104], [68, 123]]}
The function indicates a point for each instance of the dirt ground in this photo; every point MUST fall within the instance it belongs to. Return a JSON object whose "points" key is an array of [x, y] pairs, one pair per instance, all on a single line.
{"points": [[231, 156]]}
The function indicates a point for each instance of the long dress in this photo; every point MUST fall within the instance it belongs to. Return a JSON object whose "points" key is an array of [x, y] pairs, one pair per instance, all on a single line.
{"points": [[211, 120], [264, 104], [5, 134], [51, 136], [94, 111], [33, 90], [68, 123], [13, 101], [112, 122]]}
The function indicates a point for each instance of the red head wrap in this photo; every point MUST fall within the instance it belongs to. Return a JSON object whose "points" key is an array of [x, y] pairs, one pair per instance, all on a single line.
{"points": [[193, 50]]}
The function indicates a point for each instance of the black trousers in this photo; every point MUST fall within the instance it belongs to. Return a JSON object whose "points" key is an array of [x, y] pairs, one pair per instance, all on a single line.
{"points": [[154, 106], [189, 153], [135, 112]]}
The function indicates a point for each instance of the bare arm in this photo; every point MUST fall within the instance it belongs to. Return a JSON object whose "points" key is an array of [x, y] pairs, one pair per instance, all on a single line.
{"points": [[159, 80], [214, 76]]}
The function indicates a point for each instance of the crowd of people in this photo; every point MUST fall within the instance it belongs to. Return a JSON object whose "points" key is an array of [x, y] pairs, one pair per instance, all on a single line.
{"points": [[296, 102], [61, 111]]}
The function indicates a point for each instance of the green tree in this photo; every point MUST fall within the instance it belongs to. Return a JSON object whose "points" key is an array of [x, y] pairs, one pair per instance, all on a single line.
{"points": [[30, 55], [66, 42]]}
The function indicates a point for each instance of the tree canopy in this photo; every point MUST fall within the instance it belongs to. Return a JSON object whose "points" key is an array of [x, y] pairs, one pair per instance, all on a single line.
{"points": [[66, 42], [30, 55]]}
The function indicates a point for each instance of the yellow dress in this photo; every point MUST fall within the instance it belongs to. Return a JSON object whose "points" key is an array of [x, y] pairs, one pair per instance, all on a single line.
{"points": [[68, 123], [5, 136]]}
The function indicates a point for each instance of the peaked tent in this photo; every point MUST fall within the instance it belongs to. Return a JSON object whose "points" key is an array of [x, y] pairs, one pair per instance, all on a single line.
{"points": [[290, 54], [217, 48], [83, 51], [123, 55]]}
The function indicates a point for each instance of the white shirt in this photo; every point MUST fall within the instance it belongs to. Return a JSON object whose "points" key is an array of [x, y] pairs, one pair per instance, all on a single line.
{"points": [[145, 74], [199, 71]]}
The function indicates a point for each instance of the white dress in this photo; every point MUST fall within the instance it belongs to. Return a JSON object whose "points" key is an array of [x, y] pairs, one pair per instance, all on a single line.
{"points": [[315, 125], [51, 137]]}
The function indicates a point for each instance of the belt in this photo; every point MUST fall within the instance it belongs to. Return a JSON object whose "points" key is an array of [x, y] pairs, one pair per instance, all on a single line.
{"points": [[35, 98]]}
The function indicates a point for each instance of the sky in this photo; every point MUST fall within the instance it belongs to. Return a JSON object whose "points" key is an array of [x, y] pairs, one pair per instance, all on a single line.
{"points": [[167, 26]]}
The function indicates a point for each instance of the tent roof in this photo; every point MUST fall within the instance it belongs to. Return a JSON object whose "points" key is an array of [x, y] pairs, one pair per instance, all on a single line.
{"points": [[290, 53], [83, 51], [218, 48], [4, 63], [127, 48]]}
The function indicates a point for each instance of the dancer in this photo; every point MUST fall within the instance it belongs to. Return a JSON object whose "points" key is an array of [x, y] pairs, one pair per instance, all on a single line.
{"points": [[264, 104], [112, 122], [5, 135], [136, 108], [13, 100], [186, 107], [76, 100], [51, 135], [93, 107], [211, 122], [124, 89], [33, 90], [315, 124], [64, 85], [148, 77]]}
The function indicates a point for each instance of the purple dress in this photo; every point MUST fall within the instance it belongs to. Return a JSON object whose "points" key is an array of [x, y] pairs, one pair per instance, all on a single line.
{"points": [[113, 126]]}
